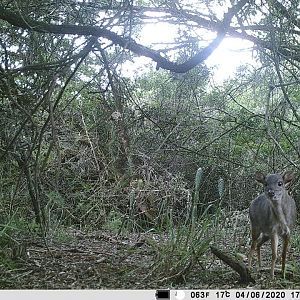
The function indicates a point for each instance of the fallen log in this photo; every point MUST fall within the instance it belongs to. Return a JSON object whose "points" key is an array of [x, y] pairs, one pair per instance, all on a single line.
{"points": [[238, 266]]}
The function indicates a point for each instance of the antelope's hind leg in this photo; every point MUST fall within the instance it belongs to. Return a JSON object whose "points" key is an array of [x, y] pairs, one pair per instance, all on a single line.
{"points": [[263, 239]]}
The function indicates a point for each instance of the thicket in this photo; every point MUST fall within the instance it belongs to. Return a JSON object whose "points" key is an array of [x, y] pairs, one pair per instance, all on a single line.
{"points": [[82, 144]]}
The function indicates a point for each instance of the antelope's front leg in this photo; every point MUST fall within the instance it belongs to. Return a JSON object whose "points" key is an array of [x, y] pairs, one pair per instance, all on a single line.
{"points": [[274, 243]]}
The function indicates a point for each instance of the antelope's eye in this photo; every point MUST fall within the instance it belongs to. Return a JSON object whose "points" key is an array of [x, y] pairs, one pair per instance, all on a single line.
{"points": [[280, 183]]}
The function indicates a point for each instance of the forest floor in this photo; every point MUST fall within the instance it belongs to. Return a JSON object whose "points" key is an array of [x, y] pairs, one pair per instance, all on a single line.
{"points": [[101, 260]]}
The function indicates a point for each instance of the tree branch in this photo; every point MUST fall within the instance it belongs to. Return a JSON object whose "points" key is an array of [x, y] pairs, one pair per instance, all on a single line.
{"points": [[59, 63], [19, 20]]}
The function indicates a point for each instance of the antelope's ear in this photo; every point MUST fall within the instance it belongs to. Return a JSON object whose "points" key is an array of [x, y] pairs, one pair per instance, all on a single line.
{"points": [[287, 176], [260, 177]]}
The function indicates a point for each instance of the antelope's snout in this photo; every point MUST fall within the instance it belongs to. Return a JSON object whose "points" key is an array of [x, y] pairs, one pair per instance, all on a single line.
{"points": [[271, 193], [274, 195]]}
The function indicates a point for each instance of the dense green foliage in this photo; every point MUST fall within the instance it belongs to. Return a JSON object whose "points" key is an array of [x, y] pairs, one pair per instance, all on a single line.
{"points": [[79, 139], [84, 144]]}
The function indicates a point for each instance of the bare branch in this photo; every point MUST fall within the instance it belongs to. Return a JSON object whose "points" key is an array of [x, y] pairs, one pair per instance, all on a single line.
{"points": [[19, 20]]}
